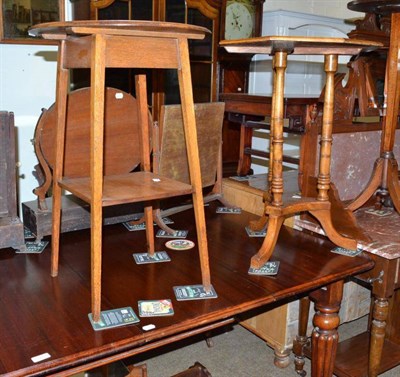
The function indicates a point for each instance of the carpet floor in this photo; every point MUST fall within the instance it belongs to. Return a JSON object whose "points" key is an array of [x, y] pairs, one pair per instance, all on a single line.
{"points": [[236, 352]]}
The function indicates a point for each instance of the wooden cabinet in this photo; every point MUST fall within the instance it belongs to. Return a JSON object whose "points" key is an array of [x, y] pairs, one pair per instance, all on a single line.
{"points": [[234, 78], [11, 228], [203, 53]]}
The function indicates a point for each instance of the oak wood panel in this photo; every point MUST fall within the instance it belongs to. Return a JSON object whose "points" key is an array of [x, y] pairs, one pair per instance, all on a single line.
{"points": [[122, 130], [135, 187], [352, 356]]}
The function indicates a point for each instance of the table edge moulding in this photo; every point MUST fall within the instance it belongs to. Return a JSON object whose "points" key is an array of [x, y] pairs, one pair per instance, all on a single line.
{"points": [[279, 205], [98, 45]]}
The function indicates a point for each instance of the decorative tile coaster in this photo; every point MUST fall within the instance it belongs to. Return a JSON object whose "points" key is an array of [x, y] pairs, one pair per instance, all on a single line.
{"points": [[193, 292], [145, 258], [114, 318], [142, 226], [33, 247], [379, 212], [269, 269], [28, 235], [177, 234], [179, 244], [255, 233], [240, 178], [229, 210], [134, 227], [346, 252], [155, 308]]}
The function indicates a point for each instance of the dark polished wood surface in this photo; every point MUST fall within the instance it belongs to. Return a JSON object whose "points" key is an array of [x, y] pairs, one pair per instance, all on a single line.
{"points": [[243, 108], [375, 6], [255, 104], [43, 314]]}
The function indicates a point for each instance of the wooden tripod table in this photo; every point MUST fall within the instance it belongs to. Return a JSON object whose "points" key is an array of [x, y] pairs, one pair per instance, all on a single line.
{"points": [[278, 205], [384, 180], [123, 44]]}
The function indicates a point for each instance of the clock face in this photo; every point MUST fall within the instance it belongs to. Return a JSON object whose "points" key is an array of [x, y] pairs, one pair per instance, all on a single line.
{"points": [[238, 21]]}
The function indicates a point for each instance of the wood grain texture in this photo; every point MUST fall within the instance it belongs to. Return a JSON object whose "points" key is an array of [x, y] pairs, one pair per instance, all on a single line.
{"points": [[121, 131], [43, 314], [173, 161], [109, 44]]}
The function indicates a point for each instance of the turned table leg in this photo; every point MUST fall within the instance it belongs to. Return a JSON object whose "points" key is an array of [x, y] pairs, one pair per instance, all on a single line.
{"points": [[301, 338], [378, 327], [282, 357], [325, 335]]}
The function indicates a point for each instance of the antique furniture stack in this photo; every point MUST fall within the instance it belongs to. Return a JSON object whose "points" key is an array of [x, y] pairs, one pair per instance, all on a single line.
{"points": [[112, 44], [378, 347]]}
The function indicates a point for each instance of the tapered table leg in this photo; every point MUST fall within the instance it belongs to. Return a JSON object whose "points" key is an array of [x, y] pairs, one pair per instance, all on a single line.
{"points": [[61, 103], [98, 70], [186, 93]]}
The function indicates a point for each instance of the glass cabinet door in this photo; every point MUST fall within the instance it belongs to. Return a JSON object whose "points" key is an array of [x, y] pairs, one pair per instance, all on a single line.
{"points": [[123, 10], [203, 53]]}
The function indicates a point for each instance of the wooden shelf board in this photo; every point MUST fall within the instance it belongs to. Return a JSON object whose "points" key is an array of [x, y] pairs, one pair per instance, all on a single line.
{"points": [[128, 188], [352, 356]]}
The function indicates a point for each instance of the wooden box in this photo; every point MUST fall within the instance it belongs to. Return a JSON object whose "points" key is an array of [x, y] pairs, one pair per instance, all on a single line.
{"points": [[75, 215]]}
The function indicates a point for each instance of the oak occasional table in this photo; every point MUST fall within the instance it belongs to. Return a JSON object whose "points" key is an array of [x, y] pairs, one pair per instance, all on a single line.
{"points": [[279, 206], [123, 44], [384, 180]]}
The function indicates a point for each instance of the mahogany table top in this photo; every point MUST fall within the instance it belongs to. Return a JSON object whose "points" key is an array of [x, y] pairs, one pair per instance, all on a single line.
{"points": [[298, 45], [41, 314], [375, 6]]}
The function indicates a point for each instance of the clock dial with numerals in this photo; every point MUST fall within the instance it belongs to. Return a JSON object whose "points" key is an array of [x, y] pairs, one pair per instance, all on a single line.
{"points": [[239, 21]]}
